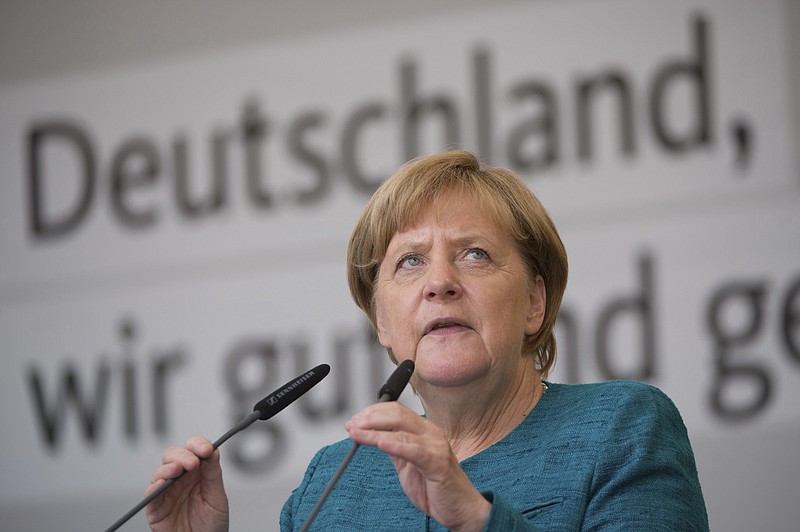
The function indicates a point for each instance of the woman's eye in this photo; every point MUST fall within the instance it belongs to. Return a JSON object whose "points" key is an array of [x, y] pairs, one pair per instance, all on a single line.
{"points": [[409, 261], [477, 254]]}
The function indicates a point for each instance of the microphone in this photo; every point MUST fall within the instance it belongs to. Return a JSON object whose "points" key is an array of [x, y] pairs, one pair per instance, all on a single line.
{"points": [[264, 409], [390, 391], [396, 382]]}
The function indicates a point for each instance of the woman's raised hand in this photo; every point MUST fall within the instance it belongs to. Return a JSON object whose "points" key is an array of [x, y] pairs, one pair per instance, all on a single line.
{"points": [[426, 465], [197, 501]]}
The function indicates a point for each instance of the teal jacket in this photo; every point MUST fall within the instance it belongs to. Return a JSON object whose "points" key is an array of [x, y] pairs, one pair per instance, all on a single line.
{"points": [[605, 456]]}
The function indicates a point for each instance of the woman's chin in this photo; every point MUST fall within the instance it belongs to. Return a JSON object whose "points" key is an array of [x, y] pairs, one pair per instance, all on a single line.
{"points": [[441, 373]]}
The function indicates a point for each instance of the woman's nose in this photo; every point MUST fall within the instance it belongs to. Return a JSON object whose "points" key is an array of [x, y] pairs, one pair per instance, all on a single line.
{"points": [[442, 281]]}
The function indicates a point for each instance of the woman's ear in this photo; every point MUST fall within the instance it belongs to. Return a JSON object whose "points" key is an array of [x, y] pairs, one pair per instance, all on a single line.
{"points": [[538, 303]]}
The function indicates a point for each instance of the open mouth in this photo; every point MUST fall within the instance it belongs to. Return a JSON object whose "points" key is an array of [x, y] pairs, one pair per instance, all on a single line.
{"points": [[446, 326]]}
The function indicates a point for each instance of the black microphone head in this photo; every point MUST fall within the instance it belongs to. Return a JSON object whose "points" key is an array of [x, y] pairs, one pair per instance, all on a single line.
{"points": [[290, 392], [397, 381]]}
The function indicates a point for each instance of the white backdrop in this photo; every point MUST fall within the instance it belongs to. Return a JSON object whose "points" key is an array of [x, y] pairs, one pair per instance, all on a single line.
{"points": [[172, 239]]}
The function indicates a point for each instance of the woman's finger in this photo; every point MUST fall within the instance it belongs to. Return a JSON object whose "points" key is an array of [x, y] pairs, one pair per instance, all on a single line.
{"points": [[199, 446], [167, 471], [186, 458], [389, 417]]}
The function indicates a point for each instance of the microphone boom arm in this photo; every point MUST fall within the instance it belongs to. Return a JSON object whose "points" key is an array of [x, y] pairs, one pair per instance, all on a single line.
{"points": [[390, 391], [264, 409]]}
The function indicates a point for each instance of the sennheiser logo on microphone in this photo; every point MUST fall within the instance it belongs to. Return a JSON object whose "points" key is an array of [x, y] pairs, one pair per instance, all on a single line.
{"points": [[300, 380]]}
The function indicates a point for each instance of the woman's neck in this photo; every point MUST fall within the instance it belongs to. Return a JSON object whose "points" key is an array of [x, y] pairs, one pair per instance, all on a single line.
{"points": [[477, 416]]}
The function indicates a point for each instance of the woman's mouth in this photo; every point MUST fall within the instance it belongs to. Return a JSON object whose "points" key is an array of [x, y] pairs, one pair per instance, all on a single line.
{"points": [[446, 326]]}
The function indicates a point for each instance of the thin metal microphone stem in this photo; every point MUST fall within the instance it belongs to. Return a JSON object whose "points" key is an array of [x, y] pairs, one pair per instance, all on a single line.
{"points": [[264, 409], [314, 511], [390, 391], [243, 424]]}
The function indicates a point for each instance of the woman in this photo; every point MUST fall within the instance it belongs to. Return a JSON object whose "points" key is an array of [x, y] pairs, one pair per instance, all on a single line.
{"points": [[460, 269]]}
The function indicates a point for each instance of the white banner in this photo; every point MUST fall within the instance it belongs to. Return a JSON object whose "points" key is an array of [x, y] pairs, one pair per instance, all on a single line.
{"points": [[172, 239]]}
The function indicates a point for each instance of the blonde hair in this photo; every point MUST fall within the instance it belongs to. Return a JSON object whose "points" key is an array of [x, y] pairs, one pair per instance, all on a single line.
{"points": [[426, 180]]}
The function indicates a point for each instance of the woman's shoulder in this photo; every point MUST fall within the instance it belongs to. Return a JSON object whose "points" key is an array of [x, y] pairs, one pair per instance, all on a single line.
{"points": [[330, 454], [613, 402], [607, 393]]}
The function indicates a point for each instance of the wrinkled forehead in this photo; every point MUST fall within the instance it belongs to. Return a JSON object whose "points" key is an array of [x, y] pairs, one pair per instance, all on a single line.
{"points": [[449, 205]]}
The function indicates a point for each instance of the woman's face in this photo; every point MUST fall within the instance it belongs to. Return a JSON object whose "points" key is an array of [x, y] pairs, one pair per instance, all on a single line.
{"points": [[453, 296]]}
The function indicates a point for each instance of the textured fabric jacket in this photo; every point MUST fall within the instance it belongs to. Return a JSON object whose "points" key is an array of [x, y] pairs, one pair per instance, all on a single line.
{"points": [[605, 456]]}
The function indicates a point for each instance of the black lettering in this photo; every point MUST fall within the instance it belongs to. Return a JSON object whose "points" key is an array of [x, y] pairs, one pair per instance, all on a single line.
{"points": [[727, 338], [483, 104], [350, 141], [254, 131], [640, 307], [135, 166], [216, 194], [247, 388], [304, 153], [127, 332], [415, 107], [539, 130], [790, 322], [69, 395], [340, 403], [586, 88], [695, 72], [46, 225]]}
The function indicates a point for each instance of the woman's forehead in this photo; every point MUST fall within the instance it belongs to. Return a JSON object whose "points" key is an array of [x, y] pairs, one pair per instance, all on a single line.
{"points": [[452, 207], [461, 221]]}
